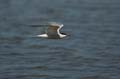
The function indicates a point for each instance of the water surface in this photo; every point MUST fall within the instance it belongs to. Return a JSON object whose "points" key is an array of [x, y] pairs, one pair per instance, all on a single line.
{"points": [[90, 52]]}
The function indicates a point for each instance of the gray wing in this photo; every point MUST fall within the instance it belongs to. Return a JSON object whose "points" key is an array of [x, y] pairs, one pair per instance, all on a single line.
{"points": [[52, 32]]}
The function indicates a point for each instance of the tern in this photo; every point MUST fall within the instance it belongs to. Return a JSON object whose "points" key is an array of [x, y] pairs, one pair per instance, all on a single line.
{"points": [[53, 31]]}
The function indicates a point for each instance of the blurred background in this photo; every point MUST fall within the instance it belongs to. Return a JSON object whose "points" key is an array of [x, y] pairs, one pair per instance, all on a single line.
{"points": [[92, 51]]}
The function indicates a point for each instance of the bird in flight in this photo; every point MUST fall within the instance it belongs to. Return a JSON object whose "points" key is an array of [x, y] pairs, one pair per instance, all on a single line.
{"points": [[53, 31]]}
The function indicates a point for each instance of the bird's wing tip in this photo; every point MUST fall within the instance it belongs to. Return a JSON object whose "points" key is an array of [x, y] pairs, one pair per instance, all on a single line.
{"points": [[55, 24]]}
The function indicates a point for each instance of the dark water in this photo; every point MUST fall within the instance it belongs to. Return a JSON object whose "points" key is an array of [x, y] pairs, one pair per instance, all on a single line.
{"points": [[92, 51]]}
